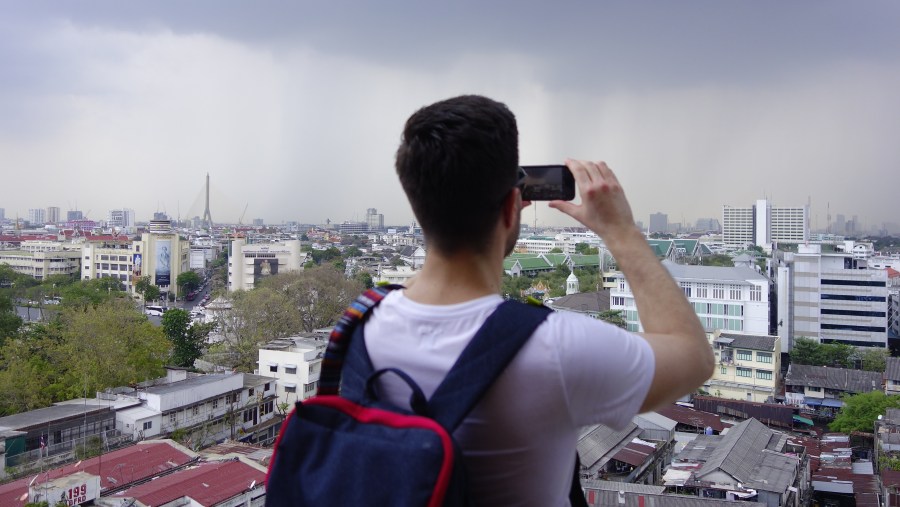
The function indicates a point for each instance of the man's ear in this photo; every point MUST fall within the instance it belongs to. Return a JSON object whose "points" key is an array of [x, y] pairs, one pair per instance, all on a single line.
{"points": [[511, 208]]}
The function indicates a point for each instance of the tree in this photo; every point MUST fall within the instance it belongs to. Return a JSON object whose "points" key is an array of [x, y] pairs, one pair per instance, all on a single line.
{"points": [[85, 293], [614, 317], [320, 294], [586, 249], [811, 352], [555, 250], [9, 321], [874, 359], [188, 281], [716, 260], [861, 410], [256, 317], [187, 339], [107, 345], [352, 251]]}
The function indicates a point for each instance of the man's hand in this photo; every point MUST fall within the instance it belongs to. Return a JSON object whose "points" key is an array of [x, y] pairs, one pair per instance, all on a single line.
{"points": [[603, 208]]}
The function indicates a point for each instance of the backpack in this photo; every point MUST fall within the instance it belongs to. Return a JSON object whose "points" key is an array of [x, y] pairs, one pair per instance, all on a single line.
{"points": [[346, 447]]}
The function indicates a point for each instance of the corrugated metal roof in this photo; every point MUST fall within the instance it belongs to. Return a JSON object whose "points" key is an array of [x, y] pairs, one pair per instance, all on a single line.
{"points": [[117, 468], [206, 484], [750, 341], [892, 368], [838, 379], [692, 417], [599, 440]]}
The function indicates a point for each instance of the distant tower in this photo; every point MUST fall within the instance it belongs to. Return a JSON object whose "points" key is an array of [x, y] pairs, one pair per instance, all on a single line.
{"points": [[207, 217]]}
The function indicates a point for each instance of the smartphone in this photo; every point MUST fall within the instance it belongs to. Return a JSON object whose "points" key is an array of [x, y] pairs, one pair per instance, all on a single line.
{"points": [[547, 183]]}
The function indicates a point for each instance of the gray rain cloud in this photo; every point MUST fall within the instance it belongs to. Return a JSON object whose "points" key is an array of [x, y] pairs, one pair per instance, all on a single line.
{"points": [[295, 108]]}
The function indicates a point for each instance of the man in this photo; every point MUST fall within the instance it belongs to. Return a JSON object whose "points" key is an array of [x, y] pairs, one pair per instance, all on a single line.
{"points": [[458, 164]]}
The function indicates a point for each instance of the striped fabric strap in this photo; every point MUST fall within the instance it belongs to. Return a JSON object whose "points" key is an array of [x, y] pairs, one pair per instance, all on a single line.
{"points": [[333, 361]]}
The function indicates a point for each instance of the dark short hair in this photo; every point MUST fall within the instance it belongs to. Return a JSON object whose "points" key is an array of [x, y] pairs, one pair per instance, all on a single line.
{"points": [[457, 161]]}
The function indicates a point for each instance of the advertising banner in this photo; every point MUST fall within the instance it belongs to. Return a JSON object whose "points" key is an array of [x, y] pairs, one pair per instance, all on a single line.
{"points": [[263, 268], [137, 262], [163, 262]]}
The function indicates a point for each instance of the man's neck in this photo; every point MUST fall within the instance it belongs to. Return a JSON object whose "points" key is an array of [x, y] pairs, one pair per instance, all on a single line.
{"points": [[456, 278]]}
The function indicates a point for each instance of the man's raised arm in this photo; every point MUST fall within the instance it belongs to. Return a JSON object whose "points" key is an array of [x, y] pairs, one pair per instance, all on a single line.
{"points": [[684, 359]]}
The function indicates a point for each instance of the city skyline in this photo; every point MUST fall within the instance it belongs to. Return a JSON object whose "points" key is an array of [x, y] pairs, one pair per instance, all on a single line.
{"points": [[295, 110]]}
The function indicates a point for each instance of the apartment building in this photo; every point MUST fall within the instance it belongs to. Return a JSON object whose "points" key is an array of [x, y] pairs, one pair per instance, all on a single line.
{"points": [[831, 297], [162, 255], [747, 366], [295, 363], [734, 299]]}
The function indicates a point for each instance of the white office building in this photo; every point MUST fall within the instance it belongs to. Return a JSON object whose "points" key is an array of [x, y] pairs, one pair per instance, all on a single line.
{"points": [[725, 298], [831, 297], [248, 264], [296, 363], [763, 224]]}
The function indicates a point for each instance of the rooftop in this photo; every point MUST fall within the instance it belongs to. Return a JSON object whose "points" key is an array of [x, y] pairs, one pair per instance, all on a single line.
{"points": [[715, 273]]}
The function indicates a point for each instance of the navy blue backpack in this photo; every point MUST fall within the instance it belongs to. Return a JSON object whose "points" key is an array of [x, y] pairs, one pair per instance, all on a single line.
{"points": [[346, 447]]}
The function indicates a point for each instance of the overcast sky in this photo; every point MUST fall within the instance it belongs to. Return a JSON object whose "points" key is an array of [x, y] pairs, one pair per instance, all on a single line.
{"points": [[295, 108]]}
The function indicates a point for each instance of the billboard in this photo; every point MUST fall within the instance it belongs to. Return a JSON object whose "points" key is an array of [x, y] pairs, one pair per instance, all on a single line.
{"points": [[163, 262], [137, 262], [263, 268]]}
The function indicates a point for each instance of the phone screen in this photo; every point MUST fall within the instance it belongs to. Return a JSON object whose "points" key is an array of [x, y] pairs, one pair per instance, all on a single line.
{"points": [[547, 183]]}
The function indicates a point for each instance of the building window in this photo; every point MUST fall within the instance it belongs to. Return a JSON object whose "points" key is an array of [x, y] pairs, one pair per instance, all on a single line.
{"points": [[267, 386], [718, 291], [686, 287], [764, 357], [734, 292], [250, 391], [764, 374], [273, 368], [701, 290], [724, 370], [195, 410], [290, 371], [308, 388], [814, 389], [744, 355], [618, 301], [172, 418], [744, 372], [755, 293], [215, 403], [148, 425], [290, 388]]}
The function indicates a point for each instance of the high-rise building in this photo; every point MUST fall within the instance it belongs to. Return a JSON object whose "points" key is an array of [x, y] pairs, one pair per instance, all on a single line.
{"points": [[374, 220], [2, 214], [737, 226], [121, 219], [659, 222], [52, 215], [763, 224], [74, 215], [708, 225], [832, 297], [37, 216]]}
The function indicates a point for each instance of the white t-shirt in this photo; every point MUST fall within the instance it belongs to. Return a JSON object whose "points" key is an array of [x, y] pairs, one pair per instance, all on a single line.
{"points": [[519, 441]]}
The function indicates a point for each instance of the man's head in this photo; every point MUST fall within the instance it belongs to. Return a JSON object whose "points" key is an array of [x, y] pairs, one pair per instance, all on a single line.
{"points": [[458, 160]]}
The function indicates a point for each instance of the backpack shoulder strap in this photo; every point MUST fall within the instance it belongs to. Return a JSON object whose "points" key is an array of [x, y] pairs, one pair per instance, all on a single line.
{"points": [[483, 360], [339, 341]]}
